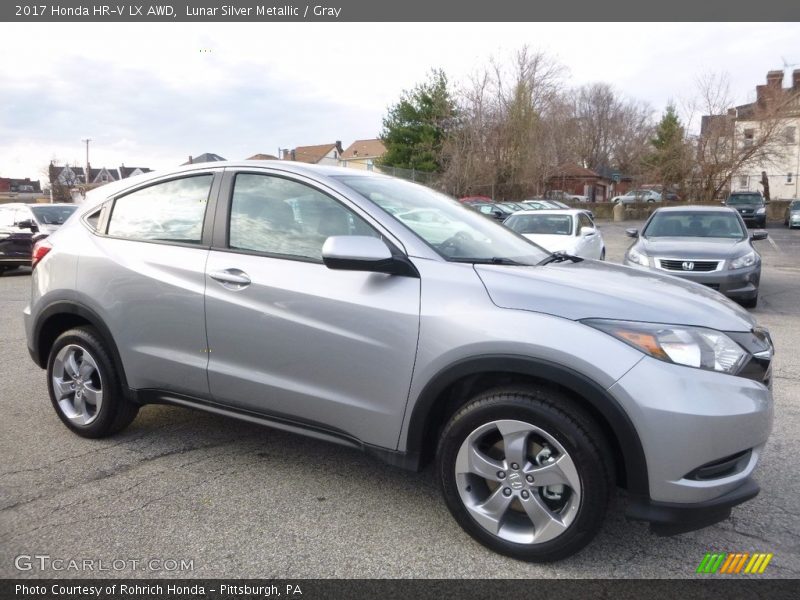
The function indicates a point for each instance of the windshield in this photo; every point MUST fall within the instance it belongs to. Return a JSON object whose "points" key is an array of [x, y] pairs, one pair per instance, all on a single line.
{"points": [[456, 232], [52, 215], [795, 205], [736, 199], [541, 224], [694, 224]]}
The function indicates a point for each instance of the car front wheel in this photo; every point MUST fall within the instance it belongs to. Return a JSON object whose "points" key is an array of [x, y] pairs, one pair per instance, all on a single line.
{"points": [[526, 473]]}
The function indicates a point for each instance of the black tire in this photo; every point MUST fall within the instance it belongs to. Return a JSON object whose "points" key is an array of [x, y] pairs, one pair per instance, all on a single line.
{"points": [[116, 412], [750, 302], [564, 420]]}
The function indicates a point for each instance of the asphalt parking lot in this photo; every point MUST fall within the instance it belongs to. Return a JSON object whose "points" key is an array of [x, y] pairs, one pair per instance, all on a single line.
{"points": [[241, 501]]}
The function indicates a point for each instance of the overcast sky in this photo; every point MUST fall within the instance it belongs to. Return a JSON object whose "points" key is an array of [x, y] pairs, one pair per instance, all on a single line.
{"points": [[148, 96]]}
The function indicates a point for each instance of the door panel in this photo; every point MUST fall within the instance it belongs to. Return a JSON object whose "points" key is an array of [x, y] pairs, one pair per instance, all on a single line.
{"points": [[151, 297], [146, 279], [300, 340]]}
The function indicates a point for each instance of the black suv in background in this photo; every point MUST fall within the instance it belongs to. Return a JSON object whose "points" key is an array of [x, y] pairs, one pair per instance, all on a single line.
{"points": [[751, 206], [22, 225]]}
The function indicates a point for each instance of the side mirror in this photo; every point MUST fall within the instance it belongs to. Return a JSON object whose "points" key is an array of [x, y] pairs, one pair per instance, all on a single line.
{"points": [[361, 253], [587, 231], [28, 224], [632, 233], [758, 234], [498, 214]]}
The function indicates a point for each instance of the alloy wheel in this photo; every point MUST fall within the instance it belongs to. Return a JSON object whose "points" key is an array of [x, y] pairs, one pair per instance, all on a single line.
{"points": [[77, 384], [518, 482]]}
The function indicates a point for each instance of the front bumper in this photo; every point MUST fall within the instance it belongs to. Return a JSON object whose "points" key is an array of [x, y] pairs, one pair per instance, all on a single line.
{"points": [[740, 284], [668, 518], [688, 421], [755, 220]]}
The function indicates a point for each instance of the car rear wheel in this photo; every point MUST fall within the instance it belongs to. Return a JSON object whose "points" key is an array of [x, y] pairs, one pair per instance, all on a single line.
{"points": [[84, 386], [526, 473]]}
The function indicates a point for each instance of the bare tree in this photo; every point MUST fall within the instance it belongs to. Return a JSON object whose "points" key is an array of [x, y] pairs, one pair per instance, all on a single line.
{"points": [[736, 139], [499, 146]]}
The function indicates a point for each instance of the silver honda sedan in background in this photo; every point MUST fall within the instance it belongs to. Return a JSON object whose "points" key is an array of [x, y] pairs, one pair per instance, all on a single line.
{"points": [[709, 245]]}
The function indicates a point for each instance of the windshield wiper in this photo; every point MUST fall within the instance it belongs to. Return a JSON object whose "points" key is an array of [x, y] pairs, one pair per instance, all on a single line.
{"points": [[559, 257], [495, 260]]}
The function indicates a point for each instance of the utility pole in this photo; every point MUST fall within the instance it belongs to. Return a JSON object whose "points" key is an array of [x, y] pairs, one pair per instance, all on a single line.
{"points": [[86, 172]]}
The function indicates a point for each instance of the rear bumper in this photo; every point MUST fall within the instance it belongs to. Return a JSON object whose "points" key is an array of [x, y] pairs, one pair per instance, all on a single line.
{"points": [[668, 518]]}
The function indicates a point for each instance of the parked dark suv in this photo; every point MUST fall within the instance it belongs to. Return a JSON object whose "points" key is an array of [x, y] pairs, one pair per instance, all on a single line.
{"points": [[22, 225], [751, 206]]}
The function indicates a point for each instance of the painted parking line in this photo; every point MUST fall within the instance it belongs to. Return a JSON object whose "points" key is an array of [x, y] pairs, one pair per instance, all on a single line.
{"points": [[774, 245]]}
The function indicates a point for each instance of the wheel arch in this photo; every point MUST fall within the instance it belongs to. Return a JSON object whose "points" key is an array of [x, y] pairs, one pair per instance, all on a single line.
{"points": [[454, 385], [63, 315]]}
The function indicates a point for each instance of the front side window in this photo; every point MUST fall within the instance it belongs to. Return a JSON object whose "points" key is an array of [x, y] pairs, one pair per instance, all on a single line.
{"points": [[460, 234], [171, 211], [694, 224], [584, 221], [6, 217], [278, 216]]}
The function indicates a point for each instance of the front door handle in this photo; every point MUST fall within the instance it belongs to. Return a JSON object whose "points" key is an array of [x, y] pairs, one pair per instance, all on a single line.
{"points": [[234, 279]]}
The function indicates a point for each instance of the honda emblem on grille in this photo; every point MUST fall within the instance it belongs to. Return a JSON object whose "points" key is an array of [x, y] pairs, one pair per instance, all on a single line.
{"points": [[687, 266]]}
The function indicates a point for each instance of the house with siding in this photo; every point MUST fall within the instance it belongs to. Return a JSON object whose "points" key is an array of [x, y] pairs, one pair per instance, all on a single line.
{"points": [[321, 154], [362, 154]]}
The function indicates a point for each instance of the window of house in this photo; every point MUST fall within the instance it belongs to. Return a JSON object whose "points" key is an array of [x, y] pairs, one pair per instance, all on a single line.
{"points": [[171, 211], [789, 134], [788, 178], [749, 136], [278, 216], [743, 181]]}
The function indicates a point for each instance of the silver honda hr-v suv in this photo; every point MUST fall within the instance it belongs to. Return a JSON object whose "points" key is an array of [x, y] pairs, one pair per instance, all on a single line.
{"points": [[376, 313]]}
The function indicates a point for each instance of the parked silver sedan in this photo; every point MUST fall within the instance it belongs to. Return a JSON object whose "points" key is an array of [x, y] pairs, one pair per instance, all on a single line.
{"points": [[705, 244]]}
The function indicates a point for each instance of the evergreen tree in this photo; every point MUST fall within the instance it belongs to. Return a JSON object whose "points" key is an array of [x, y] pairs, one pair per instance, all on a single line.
{"points": [[415, 128]]}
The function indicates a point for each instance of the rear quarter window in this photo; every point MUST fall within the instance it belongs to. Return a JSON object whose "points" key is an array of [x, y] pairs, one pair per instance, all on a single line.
{"points": [[170, 211]]}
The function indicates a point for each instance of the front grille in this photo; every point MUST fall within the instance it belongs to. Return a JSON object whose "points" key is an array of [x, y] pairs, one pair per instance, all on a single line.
{"points": [[702, 266], [746, 211]]}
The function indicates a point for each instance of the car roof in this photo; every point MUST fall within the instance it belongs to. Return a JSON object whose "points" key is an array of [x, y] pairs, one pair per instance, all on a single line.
{"points": [[98, 194], [552, 211], [694, 208]]}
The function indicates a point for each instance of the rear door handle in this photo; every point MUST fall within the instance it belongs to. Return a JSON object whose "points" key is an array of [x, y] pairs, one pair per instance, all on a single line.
{"points": [[234, 279]]}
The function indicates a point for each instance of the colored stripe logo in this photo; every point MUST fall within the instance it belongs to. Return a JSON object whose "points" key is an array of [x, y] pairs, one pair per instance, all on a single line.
{"points": [[731, 563]]}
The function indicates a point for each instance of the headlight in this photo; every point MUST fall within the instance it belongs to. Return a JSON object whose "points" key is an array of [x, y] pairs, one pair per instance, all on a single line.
{"points": [[691, 346], [761, 210], [748, 260], [638, 257]]}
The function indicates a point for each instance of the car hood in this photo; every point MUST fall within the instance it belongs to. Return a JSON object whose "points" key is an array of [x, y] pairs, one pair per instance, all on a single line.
{"points": [[552, 243], [686, 247], [600, 290]]}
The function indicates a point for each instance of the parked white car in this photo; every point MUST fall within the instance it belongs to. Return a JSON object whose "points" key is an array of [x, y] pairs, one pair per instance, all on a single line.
{"points": [[571, 231], [638, 196]]}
